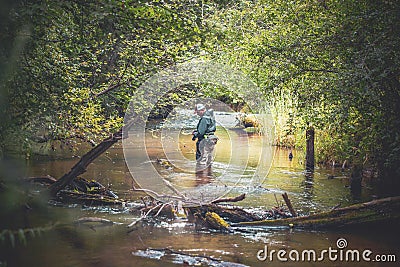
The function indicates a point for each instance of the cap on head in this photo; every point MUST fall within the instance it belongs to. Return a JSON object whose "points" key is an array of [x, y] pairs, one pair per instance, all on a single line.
{"points": [[200, 107]]}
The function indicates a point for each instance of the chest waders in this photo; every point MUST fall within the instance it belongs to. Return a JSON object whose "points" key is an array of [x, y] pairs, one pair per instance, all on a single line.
{"points": [[206, 143]]}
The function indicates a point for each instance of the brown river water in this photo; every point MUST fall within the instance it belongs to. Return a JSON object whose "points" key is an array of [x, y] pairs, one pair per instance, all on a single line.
{"points": [[176, 242]]}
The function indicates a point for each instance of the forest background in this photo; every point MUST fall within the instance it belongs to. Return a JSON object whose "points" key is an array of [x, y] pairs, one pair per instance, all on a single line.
{"points": [[70, 68]]}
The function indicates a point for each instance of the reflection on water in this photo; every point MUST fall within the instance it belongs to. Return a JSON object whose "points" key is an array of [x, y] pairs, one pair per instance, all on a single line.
{"points": [[240, 161], [112, 246], [74, 245], [204, 175]]}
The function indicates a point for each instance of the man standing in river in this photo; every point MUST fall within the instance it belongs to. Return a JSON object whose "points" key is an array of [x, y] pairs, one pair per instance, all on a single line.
{"points": [[204, 134]]}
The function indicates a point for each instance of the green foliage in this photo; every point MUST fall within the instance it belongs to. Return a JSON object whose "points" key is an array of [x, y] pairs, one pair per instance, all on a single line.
{"points": [[333, 65], [330, 64], [280, 45], [84, 60]]}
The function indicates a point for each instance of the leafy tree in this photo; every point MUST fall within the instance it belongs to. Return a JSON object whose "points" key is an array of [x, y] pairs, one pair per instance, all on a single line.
{"points": [[330, 64], [84, 59]]}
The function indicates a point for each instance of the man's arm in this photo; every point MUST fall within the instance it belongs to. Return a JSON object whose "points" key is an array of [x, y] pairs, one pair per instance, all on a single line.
{"points": [[201, 128]]}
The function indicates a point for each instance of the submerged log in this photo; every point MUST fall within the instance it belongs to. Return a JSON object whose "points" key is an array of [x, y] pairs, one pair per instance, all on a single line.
{"points": [[47, 180], [86, 220], [87, 198], [231, 214], [80, 191], [90, 187], [229, 199], [210, 220], [386, 209]]}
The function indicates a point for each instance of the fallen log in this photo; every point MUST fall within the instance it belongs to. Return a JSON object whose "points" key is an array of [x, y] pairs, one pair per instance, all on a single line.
{"points": [[386, 209], [80, 191], [231, 214], [89, 199], [229, 199], [80, 167], [210, 220], [90, 187], [214, 221], [47, 180], [85, 220]]}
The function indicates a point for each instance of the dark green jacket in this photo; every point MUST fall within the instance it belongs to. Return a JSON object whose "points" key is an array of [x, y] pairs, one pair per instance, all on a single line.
{"points": [[206, 125]]}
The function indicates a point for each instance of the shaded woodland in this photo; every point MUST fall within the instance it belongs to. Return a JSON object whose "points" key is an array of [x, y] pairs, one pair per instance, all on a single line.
{"points": [[70, 68]]}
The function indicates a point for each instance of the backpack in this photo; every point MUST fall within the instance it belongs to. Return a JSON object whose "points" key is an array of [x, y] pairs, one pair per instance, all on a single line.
{"points": [[213, 126]]}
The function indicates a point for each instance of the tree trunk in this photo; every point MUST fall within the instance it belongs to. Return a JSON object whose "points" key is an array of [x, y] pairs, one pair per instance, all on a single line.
{"points": [[310, 148], [82, 164], [355, 181]]}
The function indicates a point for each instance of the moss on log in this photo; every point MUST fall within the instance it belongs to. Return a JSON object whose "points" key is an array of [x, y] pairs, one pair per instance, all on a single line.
{"points": [[370, 212], [216, 222], [231, 214]]}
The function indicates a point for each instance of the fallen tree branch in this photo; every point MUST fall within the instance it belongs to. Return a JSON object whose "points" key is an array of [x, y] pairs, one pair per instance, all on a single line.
{"points": [[143, 216], [289, 204], [386, 209], [170, 186], [229, 199], [233, 215], [83, 163], [155, 194], [161, 207], [93, 220]]}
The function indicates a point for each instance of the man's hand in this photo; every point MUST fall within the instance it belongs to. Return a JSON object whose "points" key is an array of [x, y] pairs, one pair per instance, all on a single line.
{"points": [[194, 135]]}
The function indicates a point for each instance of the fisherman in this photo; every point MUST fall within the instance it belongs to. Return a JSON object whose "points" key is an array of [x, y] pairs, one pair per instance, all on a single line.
{"points": [[206, 140]]}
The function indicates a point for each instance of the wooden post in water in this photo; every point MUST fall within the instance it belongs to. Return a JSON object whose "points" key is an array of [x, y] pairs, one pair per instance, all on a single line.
{"points": [[310, 148], [289, 204], [356, 180]]}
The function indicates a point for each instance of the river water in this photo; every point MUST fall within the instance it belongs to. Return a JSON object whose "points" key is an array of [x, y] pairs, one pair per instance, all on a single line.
{"points": [[176, 242]]}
